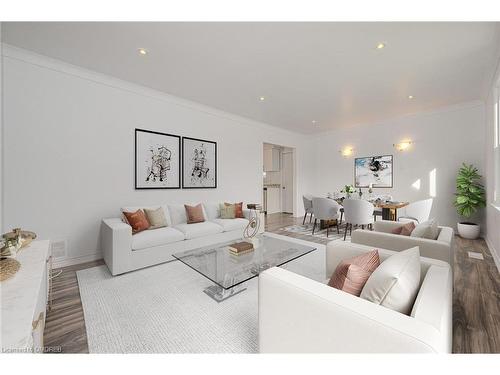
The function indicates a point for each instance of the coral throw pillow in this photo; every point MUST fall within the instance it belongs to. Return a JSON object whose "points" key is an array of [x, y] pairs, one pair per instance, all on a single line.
{"points": [[194, 214], [405, 230], [351, 274], [238, 209], [137, 220]]}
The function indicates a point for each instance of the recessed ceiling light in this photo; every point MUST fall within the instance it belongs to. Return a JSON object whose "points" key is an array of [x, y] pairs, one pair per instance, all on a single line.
{"points": [[143, 51], [380, 45], [262, 98], [410, 96]]}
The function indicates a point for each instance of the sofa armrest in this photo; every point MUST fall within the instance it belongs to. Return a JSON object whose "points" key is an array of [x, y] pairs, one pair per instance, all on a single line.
{"points": [[445, 235], [116, 242], [386, 226], [300, 315], [428, 248]]}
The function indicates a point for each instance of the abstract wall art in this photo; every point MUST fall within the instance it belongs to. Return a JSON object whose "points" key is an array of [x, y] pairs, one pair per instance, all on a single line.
{"points": [[199, 163], [373, 170], [157, 160]]}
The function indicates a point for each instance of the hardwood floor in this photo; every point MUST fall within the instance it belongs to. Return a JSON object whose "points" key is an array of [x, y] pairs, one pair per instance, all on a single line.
{"points": [[476, 299]]}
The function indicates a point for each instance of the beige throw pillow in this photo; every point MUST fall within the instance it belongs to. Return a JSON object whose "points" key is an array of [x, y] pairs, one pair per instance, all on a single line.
{"points": [[395, 283], [156, 218], [227, 211], [428, 229]]}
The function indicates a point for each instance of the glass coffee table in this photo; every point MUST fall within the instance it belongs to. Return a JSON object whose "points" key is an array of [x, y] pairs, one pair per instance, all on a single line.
{"points": [[230, 272]]}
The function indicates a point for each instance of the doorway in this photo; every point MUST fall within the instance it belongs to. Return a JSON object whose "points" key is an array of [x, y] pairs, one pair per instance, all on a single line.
{"points": [[279, 179]]}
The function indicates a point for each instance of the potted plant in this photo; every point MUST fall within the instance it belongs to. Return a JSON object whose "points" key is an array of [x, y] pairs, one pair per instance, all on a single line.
{"points": [[348, 190], [470, 196]]}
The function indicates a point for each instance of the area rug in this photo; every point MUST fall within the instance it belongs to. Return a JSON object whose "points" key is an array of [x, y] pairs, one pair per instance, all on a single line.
{"points": [[163, 309], [319, 236]]}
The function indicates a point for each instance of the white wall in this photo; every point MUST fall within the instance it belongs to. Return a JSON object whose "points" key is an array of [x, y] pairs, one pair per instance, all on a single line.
{"points": [[69, 149], [492, 172], [1, 133], [442, 140]]}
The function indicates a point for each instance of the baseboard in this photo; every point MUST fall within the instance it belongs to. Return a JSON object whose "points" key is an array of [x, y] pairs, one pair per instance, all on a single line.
{"points": [[493, 252], [65, 262]]}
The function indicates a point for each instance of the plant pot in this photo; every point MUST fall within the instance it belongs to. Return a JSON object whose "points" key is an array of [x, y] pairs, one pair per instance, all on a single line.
{"points": [[468, 230]]}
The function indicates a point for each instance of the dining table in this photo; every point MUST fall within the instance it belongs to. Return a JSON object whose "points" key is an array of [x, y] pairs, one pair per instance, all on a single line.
{"points": [[389, 208]]}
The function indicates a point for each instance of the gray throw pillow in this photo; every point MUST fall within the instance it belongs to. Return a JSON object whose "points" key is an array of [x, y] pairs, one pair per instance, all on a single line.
{"points": [[428, 229], [156, 218], [227, 211]]}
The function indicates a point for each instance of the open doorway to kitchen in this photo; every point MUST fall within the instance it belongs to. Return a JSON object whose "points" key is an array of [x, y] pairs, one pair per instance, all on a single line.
{"points": [[279, 179]]}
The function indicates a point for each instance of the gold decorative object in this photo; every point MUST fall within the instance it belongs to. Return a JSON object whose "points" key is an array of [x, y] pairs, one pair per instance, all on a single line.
{"points": [[253, 221], [16, 240], [8, 268]]}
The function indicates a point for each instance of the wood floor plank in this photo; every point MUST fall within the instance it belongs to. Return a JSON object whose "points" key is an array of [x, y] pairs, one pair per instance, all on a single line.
{"points": [[476, 298]]}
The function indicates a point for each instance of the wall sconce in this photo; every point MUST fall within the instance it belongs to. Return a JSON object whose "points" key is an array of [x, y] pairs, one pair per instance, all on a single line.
{"points": [[402, 146], [347, 151]]}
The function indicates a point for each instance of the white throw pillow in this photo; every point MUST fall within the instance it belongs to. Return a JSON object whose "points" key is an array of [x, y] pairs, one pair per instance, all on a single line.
{"points": [[428, 229], [395, 283]]}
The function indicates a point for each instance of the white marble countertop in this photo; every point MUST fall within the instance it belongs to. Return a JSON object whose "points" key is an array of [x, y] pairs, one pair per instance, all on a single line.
{"points": [[19, 296]]}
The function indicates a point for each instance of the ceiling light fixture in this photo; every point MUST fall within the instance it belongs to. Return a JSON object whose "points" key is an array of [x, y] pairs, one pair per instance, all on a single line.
{"points": [[262, 98], [410, 97], [313, 121], [143, 51], [381, 45]]}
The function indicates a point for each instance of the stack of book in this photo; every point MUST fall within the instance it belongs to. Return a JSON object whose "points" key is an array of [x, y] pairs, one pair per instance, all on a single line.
{"points": [[240, 248]]}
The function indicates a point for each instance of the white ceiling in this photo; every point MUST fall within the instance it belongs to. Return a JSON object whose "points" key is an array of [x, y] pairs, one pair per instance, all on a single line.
{"points": [[328, 72]]}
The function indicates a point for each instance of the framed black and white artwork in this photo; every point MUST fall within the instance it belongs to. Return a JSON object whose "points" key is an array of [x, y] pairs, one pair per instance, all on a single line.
{"points": [[157, 160], [374, 171], [199, 163]]}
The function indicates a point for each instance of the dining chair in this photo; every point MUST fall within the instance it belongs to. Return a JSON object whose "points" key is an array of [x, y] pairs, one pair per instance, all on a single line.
{"points": [[357, 212], [325, 209], [418, 211], [377, 211], [308, 207]]}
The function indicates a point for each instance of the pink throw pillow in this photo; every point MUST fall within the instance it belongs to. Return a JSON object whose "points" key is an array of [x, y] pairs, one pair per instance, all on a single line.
{"points": [[404, 230], [351, 274]]}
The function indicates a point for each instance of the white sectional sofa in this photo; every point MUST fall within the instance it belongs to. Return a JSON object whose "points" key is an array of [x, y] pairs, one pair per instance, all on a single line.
{"points": [[124, 252], [382, 237], [301, 315]]}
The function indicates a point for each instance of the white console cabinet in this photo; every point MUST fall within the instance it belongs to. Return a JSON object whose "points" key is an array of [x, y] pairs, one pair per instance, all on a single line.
{"points": [[24, 299]]}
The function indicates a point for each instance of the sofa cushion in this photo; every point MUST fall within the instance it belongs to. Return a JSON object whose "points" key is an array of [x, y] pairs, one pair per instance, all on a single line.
{"points": [[238, 209], [154, 207], [405, 229], [231, 224], [194, 214], [177, 214], [156, 237], [395, 283], [211, 210], [199, 229], [428, 229], [137, 220], [227, 211], [351, 274], [156, 218]]}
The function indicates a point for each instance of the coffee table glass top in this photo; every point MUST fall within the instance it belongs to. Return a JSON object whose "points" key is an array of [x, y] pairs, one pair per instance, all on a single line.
{"points": [[226, 270]]}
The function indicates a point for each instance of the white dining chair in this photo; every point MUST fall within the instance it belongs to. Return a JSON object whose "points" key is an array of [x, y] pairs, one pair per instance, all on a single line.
{"points": [[308, 207], [418, 211], [357, 212], [325, 209]]}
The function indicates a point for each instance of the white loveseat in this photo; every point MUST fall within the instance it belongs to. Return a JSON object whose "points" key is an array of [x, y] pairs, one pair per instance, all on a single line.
{"points": [[441, 248], [301, 315], [124, 252]]}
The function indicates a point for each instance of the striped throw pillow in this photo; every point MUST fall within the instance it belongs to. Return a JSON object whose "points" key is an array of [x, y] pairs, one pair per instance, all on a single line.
{"points": [[351, 274]]}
